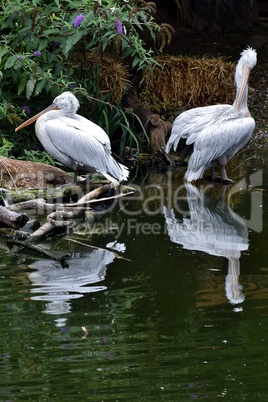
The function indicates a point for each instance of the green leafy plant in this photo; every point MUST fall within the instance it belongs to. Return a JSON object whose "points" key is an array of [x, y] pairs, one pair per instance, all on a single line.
{"points": [[6, 148], [40, 156], [40, 56]]}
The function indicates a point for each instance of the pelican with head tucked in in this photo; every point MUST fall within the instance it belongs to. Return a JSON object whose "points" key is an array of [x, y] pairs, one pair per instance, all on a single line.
{"points": [[75, 141], [217, 132]]}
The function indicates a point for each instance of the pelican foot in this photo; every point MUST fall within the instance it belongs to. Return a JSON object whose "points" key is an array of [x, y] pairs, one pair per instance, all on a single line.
{"points": [[227, 181], [225, 178], [214, 178], [71, 184], [77, 182], [82, 182]]}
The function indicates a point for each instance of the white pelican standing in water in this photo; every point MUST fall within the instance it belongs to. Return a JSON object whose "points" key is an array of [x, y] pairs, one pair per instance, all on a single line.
{"points": [[217, 132], [75, 141]]}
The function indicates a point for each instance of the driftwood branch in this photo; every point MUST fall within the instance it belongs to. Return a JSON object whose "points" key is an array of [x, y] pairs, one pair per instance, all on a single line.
{"points": [[11, 218], [38, 249], [47, 229], [64, 214], [88, 198], [63, 217], [95, 193], [30, 204]]}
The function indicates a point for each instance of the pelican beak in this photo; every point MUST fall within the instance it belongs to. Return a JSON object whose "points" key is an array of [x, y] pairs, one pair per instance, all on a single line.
{"points": [[34, 118], [242, 93]]}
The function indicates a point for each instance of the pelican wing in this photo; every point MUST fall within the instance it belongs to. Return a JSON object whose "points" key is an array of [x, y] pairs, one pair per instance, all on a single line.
{"points": [[224, 138], [194, 121], [83, 124], [218, 123], [80, 142]]}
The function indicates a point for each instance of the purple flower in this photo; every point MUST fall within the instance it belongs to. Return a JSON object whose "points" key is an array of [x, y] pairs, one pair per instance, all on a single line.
{"points": [[37, 53], [119, 27], [5, 356], [27, 109], [20, 57], [78, 20]]}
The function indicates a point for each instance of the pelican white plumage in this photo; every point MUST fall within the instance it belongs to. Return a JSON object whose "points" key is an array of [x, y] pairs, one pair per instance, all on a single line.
{"points": [[74, 140], [217, 132]]}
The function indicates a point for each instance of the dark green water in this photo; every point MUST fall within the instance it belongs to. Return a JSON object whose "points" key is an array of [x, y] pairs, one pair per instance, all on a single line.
{"points": [[182, 316]]}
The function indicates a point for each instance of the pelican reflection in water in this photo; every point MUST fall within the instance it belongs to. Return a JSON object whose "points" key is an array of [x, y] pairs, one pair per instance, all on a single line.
{"points": [[57, 285], [217, 132], [75, 141], [212, 227]]}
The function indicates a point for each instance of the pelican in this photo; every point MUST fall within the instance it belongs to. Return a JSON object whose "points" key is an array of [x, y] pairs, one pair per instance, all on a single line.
{"points": [[75, 141], [217, 132]]}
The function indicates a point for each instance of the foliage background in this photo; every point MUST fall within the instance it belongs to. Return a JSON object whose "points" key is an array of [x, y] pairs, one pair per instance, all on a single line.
{"points": [[45, 50]]}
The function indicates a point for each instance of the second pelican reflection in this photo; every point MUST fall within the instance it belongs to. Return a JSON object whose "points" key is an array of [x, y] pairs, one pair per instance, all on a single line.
{"points": [[212, 227]]}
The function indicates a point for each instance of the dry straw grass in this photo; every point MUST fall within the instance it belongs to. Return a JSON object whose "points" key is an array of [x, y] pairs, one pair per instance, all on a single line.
{"points": [[111, 76], [188, 81]]}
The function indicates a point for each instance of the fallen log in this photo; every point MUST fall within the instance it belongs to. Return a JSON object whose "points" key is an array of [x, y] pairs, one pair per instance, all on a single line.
{"points": [[47, 229], [20, 174], [12, 219], [38, 204], [66, 214]]}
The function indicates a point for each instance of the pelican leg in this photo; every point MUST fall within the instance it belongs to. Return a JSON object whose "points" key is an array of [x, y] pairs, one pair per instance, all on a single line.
{"points": [[75, 177], [225, 178], [73, 182], [214, 176]]}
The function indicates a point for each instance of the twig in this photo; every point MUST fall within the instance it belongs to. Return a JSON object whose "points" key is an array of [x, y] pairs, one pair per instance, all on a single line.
{"points": [[253, 156], [97, 248], [76, 204]]}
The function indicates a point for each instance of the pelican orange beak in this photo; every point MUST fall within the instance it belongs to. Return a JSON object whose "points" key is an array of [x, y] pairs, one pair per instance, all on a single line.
{"points": [[34, 118], [242, 93]]}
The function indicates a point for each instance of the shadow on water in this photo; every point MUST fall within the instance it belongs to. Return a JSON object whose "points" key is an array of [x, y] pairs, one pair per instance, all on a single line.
{"points": [[182, 315]]}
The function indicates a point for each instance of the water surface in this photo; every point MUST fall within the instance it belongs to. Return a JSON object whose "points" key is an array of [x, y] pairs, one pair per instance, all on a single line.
{"points": [[172, 298]]}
